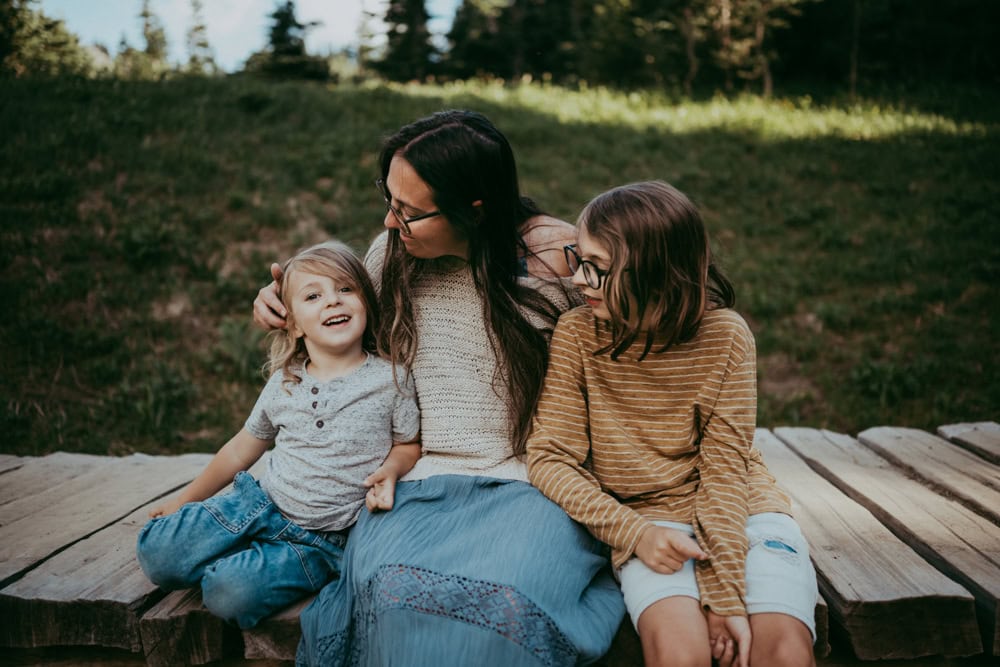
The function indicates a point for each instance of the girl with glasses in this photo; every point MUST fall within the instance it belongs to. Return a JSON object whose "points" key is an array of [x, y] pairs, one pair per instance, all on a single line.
{"points": [[473, 566], [644, 434]]}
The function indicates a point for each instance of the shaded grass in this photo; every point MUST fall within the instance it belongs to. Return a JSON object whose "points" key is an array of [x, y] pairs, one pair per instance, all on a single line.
{"points": [[137, 222]]}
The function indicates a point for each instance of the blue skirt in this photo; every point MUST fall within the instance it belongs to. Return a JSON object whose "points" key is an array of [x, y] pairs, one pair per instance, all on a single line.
{"points": [[465, 571]]}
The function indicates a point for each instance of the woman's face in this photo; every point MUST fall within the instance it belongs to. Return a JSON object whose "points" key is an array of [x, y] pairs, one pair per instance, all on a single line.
{"points": [[430, 237], [591, 250]]}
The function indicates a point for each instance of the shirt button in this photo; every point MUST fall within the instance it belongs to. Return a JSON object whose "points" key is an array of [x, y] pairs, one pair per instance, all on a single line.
{"points": [[315, 390], [315, 403], [319, 424]]}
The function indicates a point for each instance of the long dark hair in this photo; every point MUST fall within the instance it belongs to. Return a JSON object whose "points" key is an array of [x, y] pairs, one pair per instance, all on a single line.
{"points": [[464, 158], [662, 278]]}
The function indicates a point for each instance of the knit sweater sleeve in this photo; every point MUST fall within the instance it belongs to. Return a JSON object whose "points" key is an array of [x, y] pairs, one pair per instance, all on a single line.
{"points": [[559, 447], [721, 502]]}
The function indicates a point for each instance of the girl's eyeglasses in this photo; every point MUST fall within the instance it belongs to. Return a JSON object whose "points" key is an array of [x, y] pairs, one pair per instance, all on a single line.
{"points": [[404, 222], [593, 275]]}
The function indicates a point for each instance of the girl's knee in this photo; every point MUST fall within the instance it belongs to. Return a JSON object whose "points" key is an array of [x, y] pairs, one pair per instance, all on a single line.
{"points": [[666, 649], [791, 652], [786, 649]]}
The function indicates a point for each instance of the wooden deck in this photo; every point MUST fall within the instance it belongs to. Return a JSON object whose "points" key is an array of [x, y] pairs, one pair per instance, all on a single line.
{"points": [[904, 528]]}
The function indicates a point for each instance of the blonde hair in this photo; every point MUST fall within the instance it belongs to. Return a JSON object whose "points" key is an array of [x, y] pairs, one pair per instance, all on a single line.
{"points": [[662, 278], [333, 259]]}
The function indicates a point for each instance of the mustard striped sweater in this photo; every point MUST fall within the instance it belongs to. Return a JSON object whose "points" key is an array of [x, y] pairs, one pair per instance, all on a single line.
{"points": [[619, 444]]}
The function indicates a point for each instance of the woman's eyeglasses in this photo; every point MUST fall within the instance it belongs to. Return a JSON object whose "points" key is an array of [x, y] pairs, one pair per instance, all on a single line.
{"points": [[404, 222], [593, 275]]}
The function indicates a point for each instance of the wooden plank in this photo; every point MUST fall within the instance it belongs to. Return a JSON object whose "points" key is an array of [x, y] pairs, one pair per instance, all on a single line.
{"points": [[276, 637], [889, 601], [11, 462], [950, 470], [179, 630], [953, 538], [34, 527], [93, 592], [981, 438], [88, 595], [39, 475]]}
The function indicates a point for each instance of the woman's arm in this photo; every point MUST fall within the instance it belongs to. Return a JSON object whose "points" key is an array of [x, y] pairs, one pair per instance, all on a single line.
{"points": [[268, 311], [545, 237], [241, 452]]}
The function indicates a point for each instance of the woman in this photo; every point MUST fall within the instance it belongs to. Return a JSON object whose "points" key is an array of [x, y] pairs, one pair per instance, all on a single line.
{"points": [[473, 565]]}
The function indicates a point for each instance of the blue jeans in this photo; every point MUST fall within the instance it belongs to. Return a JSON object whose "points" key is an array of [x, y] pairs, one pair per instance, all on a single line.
{"points": [[248, 558]]}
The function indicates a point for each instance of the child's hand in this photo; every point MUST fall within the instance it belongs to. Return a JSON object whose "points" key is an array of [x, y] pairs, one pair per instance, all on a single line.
{"points": [[166, 508], [731, 638], [665, 550], [381, 489]]}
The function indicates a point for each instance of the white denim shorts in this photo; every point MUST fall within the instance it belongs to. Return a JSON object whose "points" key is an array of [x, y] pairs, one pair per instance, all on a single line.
{"points": [[780, 576]]}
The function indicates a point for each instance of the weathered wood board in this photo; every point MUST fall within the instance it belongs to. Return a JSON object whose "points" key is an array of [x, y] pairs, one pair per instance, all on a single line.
{"points": [[959, 542], [38, 475], [890, 602], [179, 630], [11, 462], [948, 468], [40, 523], [981, 438], [277, 637], [93, 592]]}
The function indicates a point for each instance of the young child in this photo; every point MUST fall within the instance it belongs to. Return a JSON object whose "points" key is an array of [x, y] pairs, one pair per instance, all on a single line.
{"points": [[334, 412], [644, 434]]}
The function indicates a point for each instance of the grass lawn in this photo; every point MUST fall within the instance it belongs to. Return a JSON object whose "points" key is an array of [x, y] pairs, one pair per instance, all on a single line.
{"points": [[137, 221]]}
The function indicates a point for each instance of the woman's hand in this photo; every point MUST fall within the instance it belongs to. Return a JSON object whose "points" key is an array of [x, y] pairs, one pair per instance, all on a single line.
{"points": [[730, 638], [268, 311], [166, 508], [665, 550]]}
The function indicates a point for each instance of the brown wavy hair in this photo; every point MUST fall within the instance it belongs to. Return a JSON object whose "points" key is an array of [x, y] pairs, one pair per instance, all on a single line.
{"points": [[662, 278], [464, 158], [333, 259]]}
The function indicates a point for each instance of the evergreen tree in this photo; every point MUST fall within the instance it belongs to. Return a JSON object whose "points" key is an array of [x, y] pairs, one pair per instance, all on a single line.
{"points": [[286, 55], [409, 53], [476, 42], [201, 60], [156, 38], [33, 44]]}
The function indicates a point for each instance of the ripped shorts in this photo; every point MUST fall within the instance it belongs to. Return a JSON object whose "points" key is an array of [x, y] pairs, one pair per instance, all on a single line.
{"points": [[780, 576]]}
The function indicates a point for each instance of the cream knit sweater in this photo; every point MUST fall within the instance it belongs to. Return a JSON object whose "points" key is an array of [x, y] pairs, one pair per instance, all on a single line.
{"points": [[464, 426]]}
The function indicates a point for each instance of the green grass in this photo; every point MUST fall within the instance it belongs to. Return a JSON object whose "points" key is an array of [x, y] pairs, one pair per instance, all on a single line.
{"points": [[137, 221]]}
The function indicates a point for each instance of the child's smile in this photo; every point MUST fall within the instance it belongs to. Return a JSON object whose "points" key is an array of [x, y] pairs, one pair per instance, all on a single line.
{"points": [[328, 314]]}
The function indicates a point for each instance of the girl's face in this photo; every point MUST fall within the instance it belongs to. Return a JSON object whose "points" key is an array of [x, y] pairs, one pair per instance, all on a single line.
{"points": [[329, 314], [410, 195], [591, 250]]}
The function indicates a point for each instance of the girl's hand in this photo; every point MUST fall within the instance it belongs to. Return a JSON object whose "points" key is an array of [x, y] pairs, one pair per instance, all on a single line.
{"points": [[268, 311], [730, 637], [665, 550], [381, 489], [166, 508]]}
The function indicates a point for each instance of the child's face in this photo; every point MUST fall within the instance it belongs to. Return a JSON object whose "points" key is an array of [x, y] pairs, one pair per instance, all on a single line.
{"points": [[591, 250], [328, 314]]}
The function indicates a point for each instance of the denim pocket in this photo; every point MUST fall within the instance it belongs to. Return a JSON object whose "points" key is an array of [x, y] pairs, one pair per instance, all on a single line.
{"points": [[235, 510]]}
